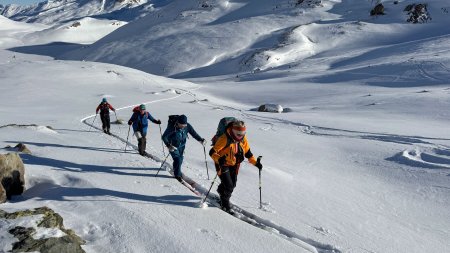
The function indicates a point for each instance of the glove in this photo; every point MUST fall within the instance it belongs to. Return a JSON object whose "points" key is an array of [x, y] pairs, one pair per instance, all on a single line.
{"points": [[172, 149], [158, 122], [130, 123], [259, 165], [203, 142]]}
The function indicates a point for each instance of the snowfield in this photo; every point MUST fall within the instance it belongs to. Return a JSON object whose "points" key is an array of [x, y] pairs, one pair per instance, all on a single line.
{"points": [[359, 163]]}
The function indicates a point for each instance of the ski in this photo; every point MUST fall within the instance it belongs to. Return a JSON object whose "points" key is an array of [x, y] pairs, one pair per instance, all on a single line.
{"points": [[190, 187]]}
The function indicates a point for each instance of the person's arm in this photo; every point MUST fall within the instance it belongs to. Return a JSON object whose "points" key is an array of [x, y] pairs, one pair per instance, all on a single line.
{"points": [[150, 117], [248, 154], [218, 146], [194, 133], [112, 108], [132, 119], [98, 108], [165, 136]]}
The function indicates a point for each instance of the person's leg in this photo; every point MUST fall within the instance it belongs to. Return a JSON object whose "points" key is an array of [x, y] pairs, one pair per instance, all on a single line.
{"points": [[102, 117], [177, 160], [139, 137], [226, 187], [143, 145], [107, 123]]}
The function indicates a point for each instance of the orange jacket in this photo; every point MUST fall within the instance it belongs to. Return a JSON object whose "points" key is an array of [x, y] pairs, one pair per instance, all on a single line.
{"points": [[226, 147]]}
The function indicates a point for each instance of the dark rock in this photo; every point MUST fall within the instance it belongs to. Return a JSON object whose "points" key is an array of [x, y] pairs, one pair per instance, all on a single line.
{"points": [[377, 10], [417, 13], [270, 108]]}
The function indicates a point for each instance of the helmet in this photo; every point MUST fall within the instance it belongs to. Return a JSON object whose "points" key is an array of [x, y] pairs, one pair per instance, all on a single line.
{"points": [[142, 107], [238, 130], [104, 100]]}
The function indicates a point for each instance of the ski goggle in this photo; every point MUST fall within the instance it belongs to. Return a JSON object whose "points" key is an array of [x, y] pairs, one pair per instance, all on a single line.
{"points": [[239, 132], [181, 125]]}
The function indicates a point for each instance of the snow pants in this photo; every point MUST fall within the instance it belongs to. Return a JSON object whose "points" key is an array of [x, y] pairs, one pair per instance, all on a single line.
{"points": [[177, 157], [106, 122], [142, 142], [228, 179]]}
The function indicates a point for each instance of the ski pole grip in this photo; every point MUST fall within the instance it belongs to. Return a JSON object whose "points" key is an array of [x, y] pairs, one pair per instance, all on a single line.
{"points": [[259, 159]]}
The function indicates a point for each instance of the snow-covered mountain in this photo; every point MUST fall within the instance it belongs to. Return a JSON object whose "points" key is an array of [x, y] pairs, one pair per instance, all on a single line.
{"points": [[52, 11], [185, 38]]}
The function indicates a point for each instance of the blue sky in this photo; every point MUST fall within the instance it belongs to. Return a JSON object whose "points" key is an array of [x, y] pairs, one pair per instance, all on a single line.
{"points": [[5, 2]]}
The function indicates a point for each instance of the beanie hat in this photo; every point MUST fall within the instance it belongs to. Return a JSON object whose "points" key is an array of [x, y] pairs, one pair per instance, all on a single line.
{"points": [[182, 119], [142, 107], [104, 100]]}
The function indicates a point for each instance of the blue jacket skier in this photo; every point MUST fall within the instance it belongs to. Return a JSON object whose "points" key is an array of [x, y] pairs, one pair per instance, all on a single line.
{"points": [[175, 137], [139, 120]]}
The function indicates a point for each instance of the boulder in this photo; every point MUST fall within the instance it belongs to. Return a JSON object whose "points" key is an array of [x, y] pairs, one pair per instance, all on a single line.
{"points": [[377, 10], [270, 108], [12, 176]]}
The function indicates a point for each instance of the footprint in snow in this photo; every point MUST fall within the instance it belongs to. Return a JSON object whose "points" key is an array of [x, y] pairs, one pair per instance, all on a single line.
{"points": [[211, 233]]}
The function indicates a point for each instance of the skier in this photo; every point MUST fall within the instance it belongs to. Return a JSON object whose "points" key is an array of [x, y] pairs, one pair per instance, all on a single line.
{"points": [[139, 120], [104, 107], [174, 138], [228, 152]]}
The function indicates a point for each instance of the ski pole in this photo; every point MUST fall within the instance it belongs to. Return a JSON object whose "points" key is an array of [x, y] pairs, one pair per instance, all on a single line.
{"points": [[162, 164], [206, 196], [92, 122], [260, 197], [206, 163], [128, 135], [117, 120], [162, 144]]}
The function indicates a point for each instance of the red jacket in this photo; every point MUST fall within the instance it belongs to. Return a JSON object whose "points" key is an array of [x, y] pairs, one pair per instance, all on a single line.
{"points": [[104, 108]]}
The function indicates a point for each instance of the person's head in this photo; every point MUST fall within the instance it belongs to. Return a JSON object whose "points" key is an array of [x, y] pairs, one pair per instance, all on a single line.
{"points": [[142, 108], [182, 121], [238, 130], [104, 100]]}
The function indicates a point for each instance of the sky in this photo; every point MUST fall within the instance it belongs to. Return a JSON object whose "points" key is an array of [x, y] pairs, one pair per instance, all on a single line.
{"points": [[22, 2]]}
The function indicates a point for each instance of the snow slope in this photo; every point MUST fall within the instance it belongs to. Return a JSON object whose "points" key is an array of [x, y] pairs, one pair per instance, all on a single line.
{"points": [[184, 39], [55, 11], [360, 163]]}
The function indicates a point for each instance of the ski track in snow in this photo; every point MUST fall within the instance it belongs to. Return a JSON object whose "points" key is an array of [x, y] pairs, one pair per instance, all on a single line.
{"points": [[248, 217]]}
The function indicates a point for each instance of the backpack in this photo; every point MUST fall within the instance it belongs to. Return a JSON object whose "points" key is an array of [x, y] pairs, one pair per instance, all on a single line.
{"points": [[104, 108], [136, 109], [224, 123], [172, 120]]}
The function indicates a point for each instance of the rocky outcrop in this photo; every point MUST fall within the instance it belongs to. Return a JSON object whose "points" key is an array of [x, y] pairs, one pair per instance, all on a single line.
{"points": [[377, 10], [69, 242], [417, 13], [270, 108], [12, 176]]}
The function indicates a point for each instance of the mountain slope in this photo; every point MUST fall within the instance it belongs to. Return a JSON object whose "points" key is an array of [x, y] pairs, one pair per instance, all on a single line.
{"points": [[187, 39], [50, 12]]}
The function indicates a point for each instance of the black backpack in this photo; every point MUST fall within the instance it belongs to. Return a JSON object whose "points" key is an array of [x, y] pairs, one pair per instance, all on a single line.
{"points": [[173, 119]]}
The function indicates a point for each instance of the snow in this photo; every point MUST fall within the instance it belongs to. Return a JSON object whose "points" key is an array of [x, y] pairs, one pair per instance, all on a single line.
{"points": [[361, 163]]}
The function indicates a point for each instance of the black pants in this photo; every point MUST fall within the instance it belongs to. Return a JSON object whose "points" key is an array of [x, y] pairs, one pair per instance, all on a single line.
{"points": [[142, 143], [228, 179], [106, 124]]}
